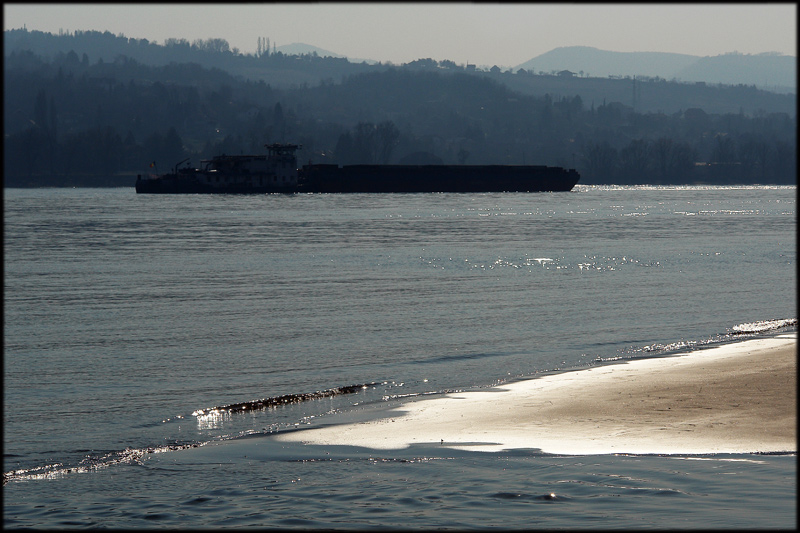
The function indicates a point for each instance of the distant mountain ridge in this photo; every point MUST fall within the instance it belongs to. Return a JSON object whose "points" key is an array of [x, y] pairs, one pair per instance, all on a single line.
{"points": [[762, 70], [770, 71], [767, 71], [303, 48], [600, 63]]}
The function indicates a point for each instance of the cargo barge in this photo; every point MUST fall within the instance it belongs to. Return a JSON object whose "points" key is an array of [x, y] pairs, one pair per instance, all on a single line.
{"points": [[277, 172]]}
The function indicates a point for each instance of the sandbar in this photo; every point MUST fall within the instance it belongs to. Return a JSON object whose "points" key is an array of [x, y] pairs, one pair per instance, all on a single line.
{"points": [[733, 398]]}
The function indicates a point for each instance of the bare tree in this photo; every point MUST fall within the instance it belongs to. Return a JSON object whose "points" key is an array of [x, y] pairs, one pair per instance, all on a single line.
{"points": [[364, 143], [662, 154], [724, 150], [674, 161], [387, 136], [635, 161], [601, 160]]}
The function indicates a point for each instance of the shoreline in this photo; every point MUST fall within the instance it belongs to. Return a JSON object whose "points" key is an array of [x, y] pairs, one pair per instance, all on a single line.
{"points": [[738, 397]]}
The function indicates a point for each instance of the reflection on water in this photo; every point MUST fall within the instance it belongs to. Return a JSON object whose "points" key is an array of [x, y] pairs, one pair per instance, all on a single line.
{"points": [[124, 314]]}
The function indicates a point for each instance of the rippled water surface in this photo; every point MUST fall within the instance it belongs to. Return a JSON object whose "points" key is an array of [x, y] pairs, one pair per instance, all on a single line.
{"points": [[128, 318]]}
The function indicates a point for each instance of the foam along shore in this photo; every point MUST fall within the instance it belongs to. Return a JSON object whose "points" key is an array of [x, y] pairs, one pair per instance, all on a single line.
{"points": [[734, 398]]}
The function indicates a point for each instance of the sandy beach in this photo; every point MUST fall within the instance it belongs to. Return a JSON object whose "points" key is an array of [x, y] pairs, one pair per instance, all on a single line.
{"points": [[735, 398]]}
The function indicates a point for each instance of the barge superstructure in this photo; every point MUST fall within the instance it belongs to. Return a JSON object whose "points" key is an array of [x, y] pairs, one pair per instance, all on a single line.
{"points": [[231, 174]]}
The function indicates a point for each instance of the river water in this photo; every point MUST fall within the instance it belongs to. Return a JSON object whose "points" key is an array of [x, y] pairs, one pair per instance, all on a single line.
{"points": [[129, 317]]}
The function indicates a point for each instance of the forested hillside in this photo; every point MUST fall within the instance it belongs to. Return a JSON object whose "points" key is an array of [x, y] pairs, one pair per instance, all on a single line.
{"points": [[70, 120], [645, 91]]}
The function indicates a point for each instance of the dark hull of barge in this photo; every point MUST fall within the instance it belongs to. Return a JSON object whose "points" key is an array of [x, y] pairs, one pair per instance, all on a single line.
{"points": [[435, 178], [322, 178]]}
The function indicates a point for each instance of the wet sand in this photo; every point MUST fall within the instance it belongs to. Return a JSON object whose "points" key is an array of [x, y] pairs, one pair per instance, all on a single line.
{"points": [[735, 398]]}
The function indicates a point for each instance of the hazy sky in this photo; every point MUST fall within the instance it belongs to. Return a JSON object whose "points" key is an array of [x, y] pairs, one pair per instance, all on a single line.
{"points": [[484, 34]]}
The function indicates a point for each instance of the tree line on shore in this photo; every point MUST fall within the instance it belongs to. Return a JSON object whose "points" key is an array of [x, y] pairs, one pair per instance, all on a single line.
{"points": [[72, 122]]}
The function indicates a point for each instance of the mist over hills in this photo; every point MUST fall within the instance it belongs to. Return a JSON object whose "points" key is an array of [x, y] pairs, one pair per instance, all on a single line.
{"points": [[303, 48], [593, 62], [92, 108], [768, 71]]}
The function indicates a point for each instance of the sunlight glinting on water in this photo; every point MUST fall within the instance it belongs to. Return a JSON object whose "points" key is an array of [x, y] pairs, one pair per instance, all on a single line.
{"points": [[111, 334]]}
